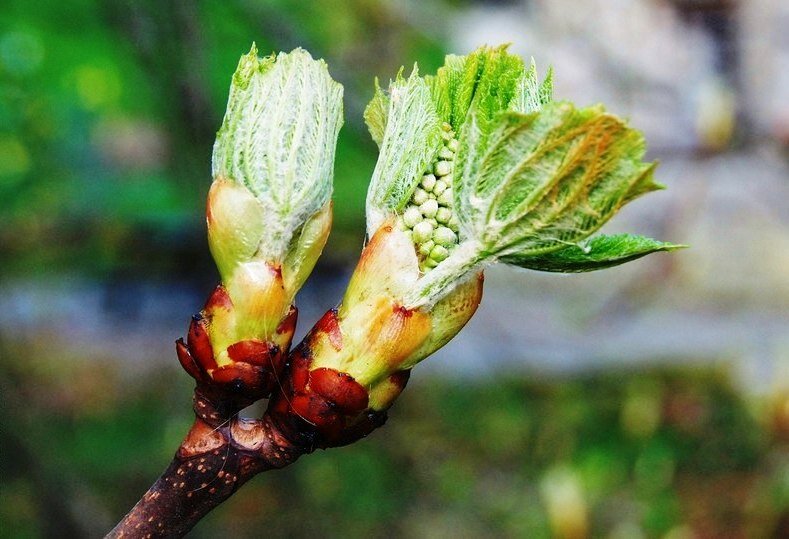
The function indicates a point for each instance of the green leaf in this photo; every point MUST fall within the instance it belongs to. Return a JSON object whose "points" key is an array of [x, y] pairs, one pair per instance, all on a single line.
{"points": [[490, 80], [409, 141], [531, 94], [376, 114], [596, 253], [544, 180]]}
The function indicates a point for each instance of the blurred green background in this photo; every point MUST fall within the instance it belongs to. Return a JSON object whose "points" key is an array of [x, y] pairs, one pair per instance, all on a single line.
{"points": [[650, 400]]}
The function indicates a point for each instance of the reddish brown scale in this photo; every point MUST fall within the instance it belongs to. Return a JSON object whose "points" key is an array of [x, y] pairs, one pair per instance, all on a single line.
{"points": [[329, 325], [288, 324], [400, 378], [310, 419], [243, 378], [187, 361], [254, 352], [317, 411], [200, 344], [299, 370], [218, 298], [361, 427], [339, 388]]}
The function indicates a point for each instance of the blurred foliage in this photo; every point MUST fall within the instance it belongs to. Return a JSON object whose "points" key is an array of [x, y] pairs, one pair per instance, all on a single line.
{"points": [[643, 454], [108, 110]]}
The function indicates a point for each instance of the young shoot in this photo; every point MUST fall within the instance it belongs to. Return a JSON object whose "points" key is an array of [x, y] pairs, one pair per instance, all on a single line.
{"points": [[478, 164]]}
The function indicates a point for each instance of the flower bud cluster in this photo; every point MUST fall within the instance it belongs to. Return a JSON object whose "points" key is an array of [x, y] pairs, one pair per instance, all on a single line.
{"points": [[429, 218]]}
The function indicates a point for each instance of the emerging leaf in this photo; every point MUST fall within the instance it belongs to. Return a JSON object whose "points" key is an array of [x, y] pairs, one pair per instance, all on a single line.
{"points": [[596, 253], [408, 143], [544, 180], [406, 119]]}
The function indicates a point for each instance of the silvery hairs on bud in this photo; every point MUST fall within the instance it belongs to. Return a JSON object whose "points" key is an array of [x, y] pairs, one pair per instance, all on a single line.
{"points": [[278, 139]]}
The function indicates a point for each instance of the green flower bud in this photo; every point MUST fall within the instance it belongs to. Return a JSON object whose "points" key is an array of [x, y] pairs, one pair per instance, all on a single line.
{"points": [[442, 168], [443, 215], [445, 198], [412, 216], [429, 208], [432, 221], [428, 181], [453, 145], [420, 196], [441, 185], [439, 253], [444, 236], [429, 263], [426, 247], [446, 153], [423, 231]]}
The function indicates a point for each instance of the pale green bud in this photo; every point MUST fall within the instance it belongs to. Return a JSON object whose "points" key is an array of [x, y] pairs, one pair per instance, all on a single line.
{"points": [[412, 216], [446, 127], [444, 236], [423, 231], [426, 247], [441, 185], [442, 168], [429, 263], [288, 164], [439, 253], [428, 181], [420, 196], [453, 145], [446, 153], [445, 198], [429, 208], [432, 220], [443, 215]]}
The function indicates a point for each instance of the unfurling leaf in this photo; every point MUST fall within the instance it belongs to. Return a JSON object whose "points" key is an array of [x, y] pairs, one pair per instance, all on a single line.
{"points": [[598, 252]]}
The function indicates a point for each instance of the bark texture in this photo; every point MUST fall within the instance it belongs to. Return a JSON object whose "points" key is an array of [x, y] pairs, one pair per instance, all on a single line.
{"points": [[216, 458], [222, 452]]}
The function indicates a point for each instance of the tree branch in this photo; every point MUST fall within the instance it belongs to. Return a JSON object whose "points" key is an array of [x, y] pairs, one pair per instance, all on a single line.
{"points": [[216, 458]]}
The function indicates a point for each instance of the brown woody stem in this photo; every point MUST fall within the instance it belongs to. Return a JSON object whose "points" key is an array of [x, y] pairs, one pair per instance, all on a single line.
{"points": [[218, 456]]}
